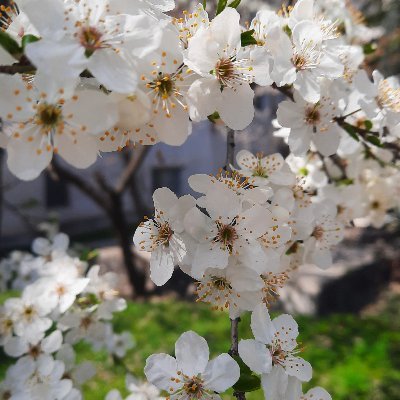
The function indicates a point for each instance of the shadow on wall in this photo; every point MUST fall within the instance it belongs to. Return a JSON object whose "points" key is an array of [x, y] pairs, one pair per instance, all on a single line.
{"points": [[356, 289]]}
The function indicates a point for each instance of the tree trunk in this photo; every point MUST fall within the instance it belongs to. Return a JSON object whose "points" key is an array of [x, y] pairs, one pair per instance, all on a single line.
{"points": [[136, 276]]}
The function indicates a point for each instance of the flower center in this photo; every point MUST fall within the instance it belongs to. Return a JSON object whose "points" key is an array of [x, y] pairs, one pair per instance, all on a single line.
{"points": [[163, 85], [86, 322], [375, 205], [35, 351], [260, 171], [61, 290], [7, 324], [224, 69], [312, 115], [226, 236], [388, 97], [220, 283], [318, 232], [6, 395], [299, 61], [272, 284], [48, 115], [194, 388], [29, 312], [164, 234], [278, 355], [90, 38], [218, 291]]}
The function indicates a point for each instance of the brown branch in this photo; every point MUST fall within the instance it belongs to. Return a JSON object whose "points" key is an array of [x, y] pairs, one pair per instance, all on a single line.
{"points": [[234, 337], [134, 163], [26, 219], [17, 69], [230, 149], [59, 172], [286, 90], [24, 66]]}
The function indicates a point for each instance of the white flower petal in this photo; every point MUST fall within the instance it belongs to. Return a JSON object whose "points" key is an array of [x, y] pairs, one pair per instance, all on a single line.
{"points": [[161, 265], [175, 129], [287, 331], [192, 353], [53, 342], [57, 59], [160, 369], [255, 355], [221, 373], [236, 107], [26, 159], [316, 393], [79, 150], [112, 71], [91, 112], [261, 324], [275, 384], [16, 346], [301, 369]]}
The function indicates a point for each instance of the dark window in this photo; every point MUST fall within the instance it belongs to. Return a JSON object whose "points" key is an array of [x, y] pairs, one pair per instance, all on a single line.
{"points": [[169, 177], [57, 194]]}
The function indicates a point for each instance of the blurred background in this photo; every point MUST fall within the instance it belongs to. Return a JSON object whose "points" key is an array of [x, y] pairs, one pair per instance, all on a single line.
{"points": [[349, 316]]}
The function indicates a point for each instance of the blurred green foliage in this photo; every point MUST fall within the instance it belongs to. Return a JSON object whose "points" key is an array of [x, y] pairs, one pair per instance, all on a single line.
{"points": [[354, 358]]}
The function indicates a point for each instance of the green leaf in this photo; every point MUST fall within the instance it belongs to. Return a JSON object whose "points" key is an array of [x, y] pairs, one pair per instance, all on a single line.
{"points": [[248, 382], [214, 117], [204, 4], [344, 182], [234, 3], [9, 44], [351, 130], [374, 140], [88, 254], [29, 39], [368, 125], [303, 171], [369, 48], [221, 6], [28, 204], [247, 38], [287, 30]]}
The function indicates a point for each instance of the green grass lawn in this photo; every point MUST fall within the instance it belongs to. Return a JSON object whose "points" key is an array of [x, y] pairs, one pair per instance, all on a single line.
{"points": [[353, 358]]}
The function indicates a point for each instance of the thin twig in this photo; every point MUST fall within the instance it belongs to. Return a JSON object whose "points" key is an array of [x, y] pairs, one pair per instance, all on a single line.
{"points": [[234, 337], [26, 219]]}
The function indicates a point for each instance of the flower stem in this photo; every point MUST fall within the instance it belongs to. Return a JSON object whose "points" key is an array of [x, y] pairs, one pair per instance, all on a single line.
{"points": [[230, 149], [234, 337]]}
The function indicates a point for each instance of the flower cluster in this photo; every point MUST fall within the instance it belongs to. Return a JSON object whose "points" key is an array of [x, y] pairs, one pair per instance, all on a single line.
{"points": [[62, 302], [272, 354], [243, 236], [97, 77], [191, 375]]}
